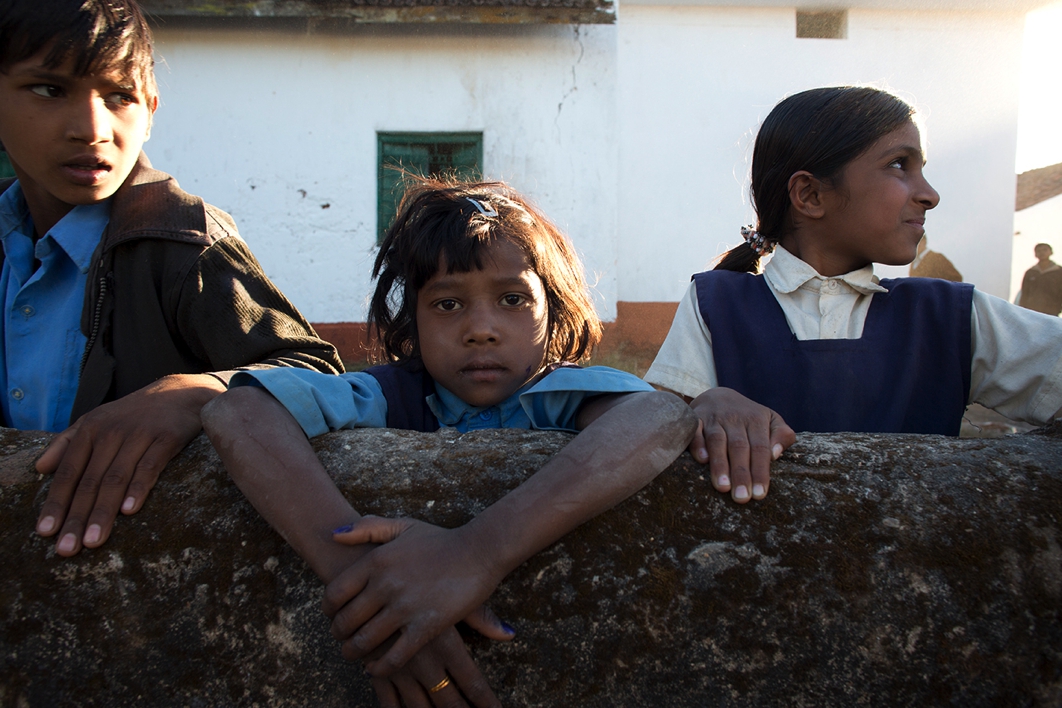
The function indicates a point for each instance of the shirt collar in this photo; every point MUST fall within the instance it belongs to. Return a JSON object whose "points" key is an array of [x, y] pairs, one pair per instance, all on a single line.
{"points": [[13, 210], [452, 411], [77, 233], [786, 273]]}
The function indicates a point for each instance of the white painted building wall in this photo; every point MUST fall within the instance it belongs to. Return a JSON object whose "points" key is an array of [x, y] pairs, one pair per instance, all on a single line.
{"points": [[1040, 223], [695, 82], [273, 125], [634, 137]]}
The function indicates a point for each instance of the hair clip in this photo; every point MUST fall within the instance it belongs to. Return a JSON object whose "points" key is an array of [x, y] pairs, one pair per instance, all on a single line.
{"points": [[757, 241], [479, 205]]}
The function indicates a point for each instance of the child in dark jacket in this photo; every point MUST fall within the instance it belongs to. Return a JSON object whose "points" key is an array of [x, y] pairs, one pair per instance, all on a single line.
{"points": [[127, 302], [481, 304]]}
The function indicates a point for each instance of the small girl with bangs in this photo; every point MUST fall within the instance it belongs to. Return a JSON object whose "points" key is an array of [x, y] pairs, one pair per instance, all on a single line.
{"points": [[480, 305], [816, 342]]}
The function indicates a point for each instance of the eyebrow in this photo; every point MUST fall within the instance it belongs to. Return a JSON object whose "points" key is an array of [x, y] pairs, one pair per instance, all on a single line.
{"points": [[449, 282], [48, 76], [37, 72], [912, 151]]}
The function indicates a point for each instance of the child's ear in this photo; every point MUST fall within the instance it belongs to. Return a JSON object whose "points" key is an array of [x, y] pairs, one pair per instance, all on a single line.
{"points": [[806, 194], [153, 104]]}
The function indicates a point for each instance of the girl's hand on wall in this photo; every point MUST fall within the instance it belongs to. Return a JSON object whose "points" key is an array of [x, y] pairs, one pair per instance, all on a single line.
{"points": [[441, 674], [419, 582], [739, 439]]}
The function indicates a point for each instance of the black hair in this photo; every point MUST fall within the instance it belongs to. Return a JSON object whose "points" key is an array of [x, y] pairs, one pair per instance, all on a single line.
{"points": [[820, 131], [97, 35], [439, 221]]}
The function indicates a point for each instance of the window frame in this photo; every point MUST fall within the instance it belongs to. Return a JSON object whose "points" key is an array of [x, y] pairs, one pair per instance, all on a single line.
{"points": [[387, 179]]}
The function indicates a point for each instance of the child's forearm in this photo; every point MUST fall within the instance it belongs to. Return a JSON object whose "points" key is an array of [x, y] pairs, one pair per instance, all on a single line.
{"points": [[623, 449], [268, 456]]}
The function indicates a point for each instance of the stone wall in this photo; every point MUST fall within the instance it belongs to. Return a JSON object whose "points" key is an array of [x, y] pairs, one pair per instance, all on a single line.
{"points": [[881, 570]]}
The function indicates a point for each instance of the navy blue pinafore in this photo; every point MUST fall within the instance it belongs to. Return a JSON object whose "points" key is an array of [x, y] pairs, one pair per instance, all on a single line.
{"points": [[908, 373]]}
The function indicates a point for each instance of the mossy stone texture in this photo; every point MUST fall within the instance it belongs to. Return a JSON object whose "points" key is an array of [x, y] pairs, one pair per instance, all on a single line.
{"points": [[881, 570]]}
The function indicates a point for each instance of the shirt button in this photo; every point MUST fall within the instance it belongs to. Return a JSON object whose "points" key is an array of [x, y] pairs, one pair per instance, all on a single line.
{"points": [[28, 311], [17, 394], [485, 415]]}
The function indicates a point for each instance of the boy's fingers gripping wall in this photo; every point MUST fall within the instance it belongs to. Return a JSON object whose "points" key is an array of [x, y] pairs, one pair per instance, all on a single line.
{"points": [[108, 461]]}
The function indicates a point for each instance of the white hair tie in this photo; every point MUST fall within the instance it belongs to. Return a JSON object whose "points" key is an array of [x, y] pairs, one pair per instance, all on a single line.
{"points": [[482, 210]]}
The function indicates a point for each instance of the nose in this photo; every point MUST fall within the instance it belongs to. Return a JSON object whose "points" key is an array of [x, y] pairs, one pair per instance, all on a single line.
{"points": [[926, 195], [481, 325], [90, 120]]}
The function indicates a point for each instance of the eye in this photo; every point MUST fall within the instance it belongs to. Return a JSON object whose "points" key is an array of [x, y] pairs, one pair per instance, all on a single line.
{"points": [[898, 163], [120, 99], [46, 90], [448, 305], [513, 300]]}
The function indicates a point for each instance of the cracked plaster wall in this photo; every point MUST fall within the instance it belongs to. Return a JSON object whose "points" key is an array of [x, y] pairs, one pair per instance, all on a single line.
{"points": [[278, 127]]}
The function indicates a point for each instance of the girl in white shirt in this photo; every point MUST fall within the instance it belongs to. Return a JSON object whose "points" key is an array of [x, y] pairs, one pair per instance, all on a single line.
{"points": [[817, 342]]}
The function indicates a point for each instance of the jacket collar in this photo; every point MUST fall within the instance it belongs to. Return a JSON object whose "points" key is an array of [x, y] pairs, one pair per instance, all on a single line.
{"points": [[150, 204]]}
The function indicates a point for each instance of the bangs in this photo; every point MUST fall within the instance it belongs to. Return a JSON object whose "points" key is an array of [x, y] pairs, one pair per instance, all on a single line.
{"points": [[95, 37], [451, 239], [449, 224]]}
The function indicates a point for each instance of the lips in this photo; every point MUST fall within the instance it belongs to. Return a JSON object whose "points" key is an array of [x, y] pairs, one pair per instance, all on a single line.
{"points": [[86, 170], [483, 371]]}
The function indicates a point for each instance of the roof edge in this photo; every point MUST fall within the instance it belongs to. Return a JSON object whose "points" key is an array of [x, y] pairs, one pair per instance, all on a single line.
{"points": [[590, 12]]}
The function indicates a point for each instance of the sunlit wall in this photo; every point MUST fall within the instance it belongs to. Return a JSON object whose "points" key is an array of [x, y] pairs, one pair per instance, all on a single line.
{"points": [[695, 82], [279, 128], [635, 137]]}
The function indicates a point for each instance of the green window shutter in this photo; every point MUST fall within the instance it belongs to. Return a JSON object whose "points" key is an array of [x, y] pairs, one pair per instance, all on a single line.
{"points": [[5, 166], [423, 154]]}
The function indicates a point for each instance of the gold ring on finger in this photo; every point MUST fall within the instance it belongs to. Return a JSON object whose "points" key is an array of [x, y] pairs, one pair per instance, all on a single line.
{"points": [[441, 685]]}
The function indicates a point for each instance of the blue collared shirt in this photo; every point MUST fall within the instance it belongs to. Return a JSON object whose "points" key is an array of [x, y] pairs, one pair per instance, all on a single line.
{"points": [[324, 402], [40, 359]]}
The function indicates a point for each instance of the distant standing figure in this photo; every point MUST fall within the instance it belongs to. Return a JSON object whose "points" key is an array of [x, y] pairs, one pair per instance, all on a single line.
{"points": [[1041, 288], [930, 264]]}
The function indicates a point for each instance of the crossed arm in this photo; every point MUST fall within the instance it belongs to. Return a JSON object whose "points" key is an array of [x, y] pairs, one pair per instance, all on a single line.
{"points": [[424, 579]]}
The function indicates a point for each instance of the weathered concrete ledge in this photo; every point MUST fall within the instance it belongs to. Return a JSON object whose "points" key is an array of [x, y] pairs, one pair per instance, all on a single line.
{"points": [[881, 570]]}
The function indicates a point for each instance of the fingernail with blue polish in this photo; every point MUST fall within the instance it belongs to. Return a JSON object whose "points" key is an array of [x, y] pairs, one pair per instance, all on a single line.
{"points": [[344, 529], [507, 629]]}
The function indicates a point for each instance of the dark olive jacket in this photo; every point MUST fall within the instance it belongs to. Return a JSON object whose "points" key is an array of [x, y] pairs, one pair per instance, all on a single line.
{"points": [[172, 289]]}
